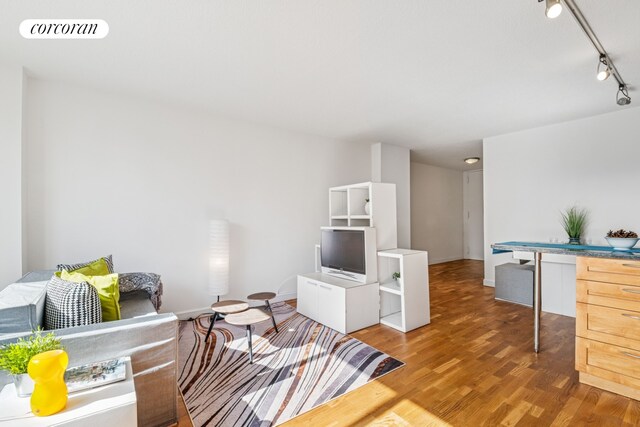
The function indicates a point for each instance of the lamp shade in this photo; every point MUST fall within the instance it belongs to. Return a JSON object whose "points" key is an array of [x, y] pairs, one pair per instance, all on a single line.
{"points": [[218, 257]]}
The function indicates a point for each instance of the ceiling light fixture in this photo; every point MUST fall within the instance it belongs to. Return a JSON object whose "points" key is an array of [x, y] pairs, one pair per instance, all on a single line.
{"points": [[472, 160], [554, 8], [603, 74], [625, 99]]}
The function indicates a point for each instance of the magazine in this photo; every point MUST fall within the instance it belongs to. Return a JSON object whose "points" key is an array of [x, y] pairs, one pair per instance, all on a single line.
{"points": [[95, 374]]}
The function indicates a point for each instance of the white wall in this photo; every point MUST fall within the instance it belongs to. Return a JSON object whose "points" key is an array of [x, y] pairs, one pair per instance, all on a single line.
{"points": [[110, 174], [390, 163], [530, 176], [436, 212], [473, 215], [10, 174]]}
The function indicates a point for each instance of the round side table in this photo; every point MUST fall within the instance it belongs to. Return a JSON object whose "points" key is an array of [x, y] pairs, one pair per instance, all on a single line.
{"points": [[247, 319], [224, 308], [265, 296]]}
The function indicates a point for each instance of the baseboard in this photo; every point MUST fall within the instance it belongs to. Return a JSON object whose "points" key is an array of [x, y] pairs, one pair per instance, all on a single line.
{"points": [[487, 282], [442, 260], [194, 312]]}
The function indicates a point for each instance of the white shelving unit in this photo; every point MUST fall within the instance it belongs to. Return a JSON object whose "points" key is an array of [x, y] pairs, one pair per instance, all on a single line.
{"points": [[346, 209], [404, 303]]}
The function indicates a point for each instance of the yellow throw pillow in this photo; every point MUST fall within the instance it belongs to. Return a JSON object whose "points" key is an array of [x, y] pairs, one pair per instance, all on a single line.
{"points": [[98, 267], [108, 291]]}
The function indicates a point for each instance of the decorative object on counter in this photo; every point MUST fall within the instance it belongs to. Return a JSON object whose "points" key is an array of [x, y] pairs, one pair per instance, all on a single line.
{"points": [[95, 374], [395, 276], [15, 357], [50, 391], [367, 207], [574, 220], [622, 240]]}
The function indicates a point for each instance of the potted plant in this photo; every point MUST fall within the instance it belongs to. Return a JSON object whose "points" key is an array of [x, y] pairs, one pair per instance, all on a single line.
{"points": [[15, 357], [574, 221], [395, 276], [622, 240]]}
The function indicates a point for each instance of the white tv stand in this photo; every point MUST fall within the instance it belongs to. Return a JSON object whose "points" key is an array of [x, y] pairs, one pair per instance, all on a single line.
{"points": [[343, 305]]}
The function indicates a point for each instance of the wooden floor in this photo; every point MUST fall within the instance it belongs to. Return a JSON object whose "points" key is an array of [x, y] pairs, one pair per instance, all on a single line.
{"points": [[475, 365]]}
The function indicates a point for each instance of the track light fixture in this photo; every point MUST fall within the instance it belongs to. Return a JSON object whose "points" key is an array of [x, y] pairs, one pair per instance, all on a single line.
{"points": [[606, 67], [622, 97], [554, 8], [603, 74]]}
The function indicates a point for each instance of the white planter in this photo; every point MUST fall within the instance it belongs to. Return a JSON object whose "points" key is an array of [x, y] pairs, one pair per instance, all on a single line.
{"points": [[24, 385], [367, 208]]}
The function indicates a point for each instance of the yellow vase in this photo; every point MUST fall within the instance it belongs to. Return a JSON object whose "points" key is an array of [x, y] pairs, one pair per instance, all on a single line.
{"points": [[50, 392]]}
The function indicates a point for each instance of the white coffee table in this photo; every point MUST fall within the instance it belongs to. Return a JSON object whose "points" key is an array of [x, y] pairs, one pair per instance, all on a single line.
{"points": [[106, 406]]}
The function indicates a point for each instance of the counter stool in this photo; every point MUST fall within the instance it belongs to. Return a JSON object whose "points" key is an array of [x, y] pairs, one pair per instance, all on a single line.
{"points": [[265, 296], [222, 308], [248, 318]]}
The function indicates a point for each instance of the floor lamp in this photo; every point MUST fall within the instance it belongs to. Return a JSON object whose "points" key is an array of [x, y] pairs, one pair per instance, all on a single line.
{"points": [[218, 257]]}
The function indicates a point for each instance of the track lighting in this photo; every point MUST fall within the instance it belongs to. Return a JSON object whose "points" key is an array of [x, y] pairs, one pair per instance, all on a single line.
{"points": [[625, 99], [606, 67], [603, 74], [554, 8]]}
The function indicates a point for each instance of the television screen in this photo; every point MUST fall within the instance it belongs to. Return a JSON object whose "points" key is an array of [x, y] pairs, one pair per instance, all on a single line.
{"points": [[343, 250]]}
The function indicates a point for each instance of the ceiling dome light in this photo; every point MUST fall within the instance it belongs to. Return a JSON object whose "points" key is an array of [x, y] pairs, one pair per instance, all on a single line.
{"points": [[625, 99], [603, 74], [472, 160], [554, 8]]}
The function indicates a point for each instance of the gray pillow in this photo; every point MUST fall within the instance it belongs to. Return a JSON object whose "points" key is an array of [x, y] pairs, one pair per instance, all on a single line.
{"points": [[71, 304], [22, 307], [72, 267]]}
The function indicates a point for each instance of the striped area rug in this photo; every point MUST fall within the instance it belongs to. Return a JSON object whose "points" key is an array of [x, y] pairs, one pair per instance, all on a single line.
{"points": [[303, 366]]}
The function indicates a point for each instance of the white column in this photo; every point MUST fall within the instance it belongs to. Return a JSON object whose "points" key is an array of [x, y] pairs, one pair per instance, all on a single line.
{"points": [[390, 163], [11, 81]]}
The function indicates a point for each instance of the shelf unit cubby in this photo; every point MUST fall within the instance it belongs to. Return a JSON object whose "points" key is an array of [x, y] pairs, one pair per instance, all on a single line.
{"points": [[404, 302], [347, 209]]}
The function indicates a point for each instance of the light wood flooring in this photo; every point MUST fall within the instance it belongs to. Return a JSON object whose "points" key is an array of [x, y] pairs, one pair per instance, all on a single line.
{"points": [[475, 365]]}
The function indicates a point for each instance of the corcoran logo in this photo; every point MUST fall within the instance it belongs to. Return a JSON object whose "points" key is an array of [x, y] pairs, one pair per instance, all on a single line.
{"points": [[64, 29]]}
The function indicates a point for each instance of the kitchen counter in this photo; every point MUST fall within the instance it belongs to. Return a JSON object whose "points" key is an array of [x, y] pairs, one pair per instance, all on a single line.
{"points": [[566, 249]]}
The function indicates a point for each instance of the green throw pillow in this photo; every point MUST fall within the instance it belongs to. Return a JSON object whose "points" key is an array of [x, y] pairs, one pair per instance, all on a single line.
{"points": [[98, 267], [107, 287]]}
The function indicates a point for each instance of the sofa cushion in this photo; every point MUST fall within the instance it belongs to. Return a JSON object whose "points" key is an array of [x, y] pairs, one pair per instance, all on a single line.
{"points": [[107, 287], [22, 307], [71, 304], [108, 260], [135, 304]]}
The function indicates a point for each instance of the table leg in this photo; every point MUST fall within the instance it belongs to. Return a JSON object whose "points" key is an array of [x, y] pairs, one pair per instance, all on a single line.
{"points": [[273, 319], [249, 342], [537, 300], [213, 320]]}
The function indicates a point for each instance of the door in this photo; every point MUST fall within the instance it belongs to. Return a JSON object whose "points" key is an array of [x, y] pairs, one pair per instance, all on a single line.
{"points": [[307, 298], [473, 215], [331, 307]]}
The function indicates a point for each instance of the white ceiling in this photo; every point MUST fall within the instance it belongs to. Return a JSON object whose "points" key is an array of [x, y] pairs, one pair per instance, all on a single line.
{"points": [[434, 76]]}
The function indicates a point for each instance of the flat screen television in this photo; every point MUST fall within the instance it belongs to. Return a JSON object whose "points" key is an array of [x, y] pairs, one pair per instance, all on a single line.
{"points": [[349, 253]]}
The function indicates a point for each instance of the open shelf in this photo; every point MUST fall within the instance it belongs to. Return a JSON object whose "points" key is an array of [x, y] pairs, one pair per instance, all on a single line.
{"points": [[367, 217], [392, 287], [339, 216], [394, 320], [354, 222]]}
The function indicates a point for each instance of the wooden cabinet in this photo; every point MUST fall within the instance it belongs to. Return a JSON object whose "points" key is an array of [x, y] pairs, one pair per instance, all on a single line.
{"points": [[343, 305], [608, 324]]}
